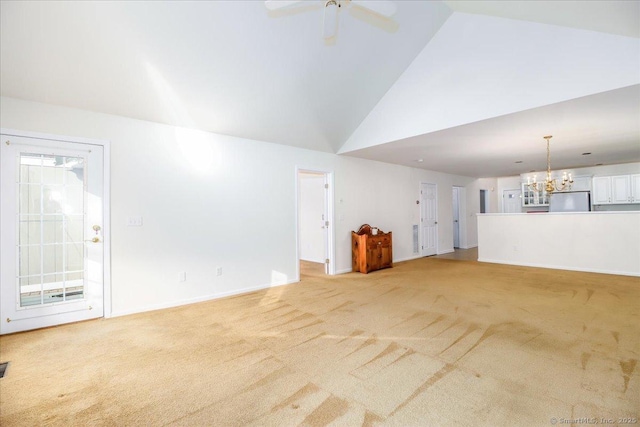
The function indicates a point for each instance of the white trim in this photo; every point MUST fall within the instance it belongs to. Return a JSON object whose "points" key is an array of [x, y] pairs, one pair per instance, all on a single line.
{"points": [[409, 258], [561, 267], [52, 137], [211, 297], [344, 271], [446, 252], [106, 228], [106, 201]]}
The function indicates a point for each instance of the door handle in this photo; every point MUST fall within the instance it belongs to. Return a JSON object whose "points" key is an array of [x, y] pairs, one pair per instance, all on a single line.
{"points": [[94, 240]]}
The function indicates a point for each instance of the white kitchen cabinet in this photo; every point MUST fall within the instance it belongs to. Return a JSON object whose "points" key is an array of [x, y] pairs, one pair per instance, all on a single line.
{"points": [[620, 189], [616, 190], [635, 188], [531, 198], [601, 190]]}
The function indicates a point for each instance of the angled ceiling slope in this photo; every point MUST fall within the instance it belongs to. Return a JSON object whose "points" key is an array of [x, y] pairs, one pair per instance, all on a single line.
{"points": [[228, 67], [480, 67]]}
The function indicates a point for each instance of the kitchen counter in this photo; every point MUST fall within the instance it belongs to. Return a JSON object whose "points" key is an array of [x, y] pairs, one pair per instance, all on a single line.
{"points": [[601, 242]]}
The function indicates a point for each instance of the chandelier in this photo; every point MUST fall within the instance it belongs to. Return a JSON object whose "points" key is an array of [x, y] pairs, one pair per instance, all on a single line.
{"points": [[550, 185]]}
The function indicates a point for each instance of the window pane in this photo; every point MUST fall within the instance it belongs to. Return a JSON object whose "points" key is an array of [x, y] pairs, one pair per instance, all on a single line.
{"points": [[29, 230], [30, 167], [74, 200], [52, 258], [75, 171], [29, 199], [52, 229], [53, 198], [75, 229], [75, 256], [29, 260]]}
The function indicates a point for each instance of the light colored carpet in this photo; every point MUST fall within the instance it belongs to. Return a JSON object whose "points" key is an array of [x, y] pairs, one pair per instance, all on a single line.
{"points": [[429, 342]]}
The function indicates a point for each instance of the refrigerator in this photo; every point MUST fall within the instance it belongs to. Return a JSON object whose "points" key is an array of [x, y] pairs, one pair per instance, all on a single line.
{"points": [[571, 201]]}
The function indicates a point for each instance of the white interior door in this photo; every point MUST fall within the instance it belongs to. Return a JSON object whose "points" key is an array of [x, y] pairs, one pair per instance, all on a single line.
{"points": [[456, 217], [51, 223], [325, 219], [315, 210], [512, 201], [429, 218]]}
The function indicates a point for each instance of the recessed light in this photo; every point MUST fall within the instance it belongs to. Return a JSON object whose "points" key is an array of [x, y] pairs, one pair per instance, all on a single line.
{"points": [[585, 154], [419, 160], [518, 161]]}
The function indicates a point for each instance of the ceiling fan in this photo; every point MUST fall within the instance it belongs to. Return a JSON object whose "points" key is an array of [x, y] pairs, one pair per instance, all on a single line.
{"points": [[382, 8]]}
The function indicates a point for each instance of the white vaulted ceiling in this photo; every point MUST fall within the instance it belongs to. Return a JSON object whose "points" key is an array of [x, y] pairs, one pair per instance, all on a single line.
{"points": [[457, 83]]}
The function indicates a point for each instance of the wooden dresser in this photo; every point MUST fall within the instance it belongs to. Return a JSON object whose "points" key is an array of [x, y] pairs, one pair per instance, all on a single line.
{"points": [[371, 252]]}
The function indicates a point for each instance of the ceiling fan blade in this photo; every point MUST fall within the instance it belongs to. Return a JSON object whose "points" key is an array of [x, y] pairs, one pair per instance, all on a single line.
{"points": [[279, 4], [385, 8], [330, 23]]}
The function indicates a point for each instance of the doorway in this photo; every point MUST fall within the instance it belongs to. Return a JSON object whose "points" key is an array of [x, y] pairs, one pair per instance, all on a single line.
{"points": [[54, 228], [429, 218], [512, 201], [314, 213], [484, 201]]}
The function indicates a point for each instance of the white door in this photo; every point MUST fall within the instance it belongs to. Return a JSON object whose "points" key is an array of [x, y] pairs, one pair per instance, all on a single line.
{"points": [[315, 213], [511, 201], [429, 218], [456, 217], [51, 223], [325, 228]]}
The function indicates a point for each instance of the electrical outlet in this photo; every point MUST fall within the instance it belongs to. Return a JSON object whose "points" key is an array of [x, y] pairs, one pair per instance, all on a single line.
{"points": [[218, 271], [182, 276]]}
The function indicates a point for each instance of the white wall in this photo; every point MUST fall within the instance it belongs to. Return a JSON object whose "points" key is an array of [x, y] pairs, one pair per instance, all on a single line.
{"points": [[311, 200], [602, 242], [210, 200], [473, 206]]}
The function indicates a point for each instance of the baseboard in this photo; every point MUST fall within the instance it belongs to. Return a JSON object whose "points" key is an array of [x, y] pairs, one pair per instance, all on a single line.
{"points": [[344, 271], [204, 298], [469, 247], [412, 257], [562, 267], [448, 251]]}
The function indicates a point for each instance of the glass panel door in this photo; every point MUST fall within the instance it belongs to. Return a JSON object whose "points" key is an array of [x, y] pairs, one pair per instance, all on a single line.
{"points": [[50, 247], [51, 224]]}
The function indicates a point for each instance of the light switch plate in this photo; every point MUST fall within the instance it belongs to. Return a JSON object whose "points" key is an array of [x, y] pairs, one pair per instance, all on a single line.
{"points": [[134, 221]]}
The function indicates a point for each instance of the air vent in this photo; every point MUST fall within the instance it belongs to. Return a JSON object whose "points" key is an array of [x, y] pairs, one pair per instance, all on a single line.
{"points": [[3, 368], [415, 239]]}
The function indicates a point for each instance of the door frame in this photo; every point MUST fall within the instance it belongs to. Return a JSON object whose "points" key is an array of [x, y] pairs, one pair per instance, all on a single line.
{"points": [[329, 208], [106, 200], [455, 190]]}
